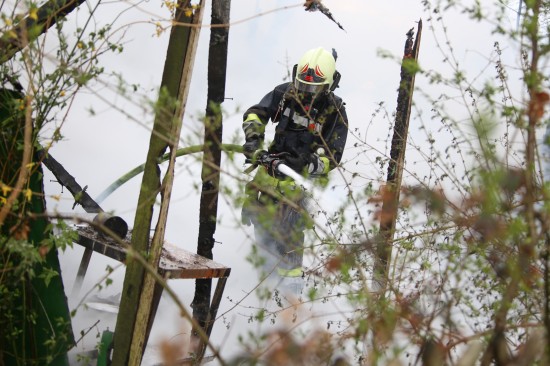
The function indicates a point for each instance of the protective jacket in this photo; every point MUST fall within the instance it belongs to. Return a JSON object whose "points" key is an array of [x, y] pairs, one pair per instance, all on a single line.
{"points": [[314, 132], [301, 129]]}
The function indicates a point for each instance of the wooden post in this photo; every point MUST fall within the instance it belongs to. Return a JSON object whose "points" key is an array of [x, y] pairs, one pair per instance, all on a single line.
{"points": [[390, 204], [137, 305], [217, 65]]}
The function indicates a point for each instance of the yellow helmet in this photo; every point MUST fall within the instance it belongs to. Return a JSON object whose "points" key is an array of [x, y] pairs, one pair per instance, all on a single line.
{"points": [[316, 72]]}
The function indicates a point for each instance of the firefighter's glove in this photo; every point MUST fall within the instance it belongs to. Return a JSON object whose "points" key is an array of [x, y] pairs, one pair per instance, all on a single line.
{"points": [[259, 156], [251, 146], [298, 163], [272, 169]]}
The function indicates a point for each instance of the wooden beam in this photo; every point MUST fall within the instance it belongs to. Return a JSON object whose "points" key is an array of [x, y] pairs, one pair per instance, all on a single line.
{"points": [[208, 211], [137, 302], [28, 29], [175, 262], [390, 204]]}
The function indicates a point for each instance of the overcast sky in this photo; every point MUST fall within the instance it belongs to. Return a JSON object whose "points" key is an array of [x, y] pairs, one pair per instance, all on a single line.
{"points": [[98, 149]]}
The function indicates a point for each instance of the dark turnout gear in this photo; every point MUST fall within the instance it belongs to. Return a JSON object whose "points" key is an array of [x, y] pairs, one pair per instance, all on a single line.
{"points": [[301, 130], [251, 146], [310, 137], [300, 162]]}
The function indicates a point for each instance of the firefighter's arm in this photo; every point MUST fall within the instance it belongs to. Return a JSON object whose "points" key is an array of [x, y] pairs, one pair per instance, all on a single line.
{"points": [[336, 139], [254, 121], [253, 128]]}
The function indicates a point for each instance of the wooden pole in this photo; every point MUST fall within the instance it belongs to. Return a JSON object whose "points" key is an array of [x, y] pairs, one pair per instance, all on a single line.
{"points": [[390, 204], [217, 66], [138, 301]]}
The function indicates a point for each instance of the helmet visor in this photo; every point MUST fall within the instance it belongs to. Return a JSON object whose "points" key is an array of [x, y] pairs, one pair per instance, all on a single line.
{"points": [[309, 88]]}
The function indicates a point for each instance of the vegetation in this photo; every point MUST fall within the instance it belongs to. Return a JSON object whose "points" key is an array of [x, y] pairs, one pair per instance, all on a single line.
{"points": [[35, 323], [469, 276]]}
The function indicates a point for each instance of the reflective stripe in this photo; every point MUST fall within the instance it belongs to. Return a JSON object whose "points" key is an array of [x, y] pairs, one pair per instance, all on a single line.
{"points": [[252, 117], [253, 126], [295, 272], [304, 121], [299, 120]]}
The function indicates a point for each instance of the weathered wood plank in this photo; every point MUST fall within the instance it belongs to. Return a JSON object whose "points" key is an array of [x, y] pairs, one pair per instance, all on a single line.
{"points": [[175, 262], [210, 173], [179, 263], [136, 306]]}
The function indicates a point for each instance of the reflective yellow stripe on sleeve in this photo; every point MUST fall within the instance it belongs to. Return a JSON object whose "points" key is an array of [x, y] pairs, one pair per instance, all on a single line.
{"points": [[253, 126], [252, 117], [295, 272]]}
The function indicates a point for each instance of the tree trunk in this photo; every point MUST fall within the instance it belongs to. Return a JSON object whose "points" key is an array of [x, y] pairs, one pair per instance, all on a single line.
{"points": [[397, 161], [217, 65]]}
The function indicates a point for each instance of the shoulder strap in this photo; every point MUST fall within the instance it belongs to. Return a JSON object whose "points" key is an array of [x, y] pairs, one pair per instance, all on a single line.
{"points": [[337, 102], [283, 89]]}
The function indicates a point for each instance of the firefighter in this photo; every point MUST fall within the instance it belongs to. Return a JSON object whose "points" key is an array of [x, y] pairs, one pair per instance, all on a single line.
{"points": [[310, 136]]}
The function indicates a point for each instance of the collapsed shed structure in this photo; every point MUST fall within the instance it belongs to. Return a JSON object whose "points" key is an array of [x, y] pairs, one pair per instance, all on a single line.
{"points": [[145, 278], [150, 261]]}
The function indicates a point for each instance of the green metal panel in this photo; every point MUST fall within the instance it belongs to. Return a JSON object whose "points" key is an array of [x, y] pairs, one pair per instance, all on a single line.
{"points": [[35, 323], [105, 348]]}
